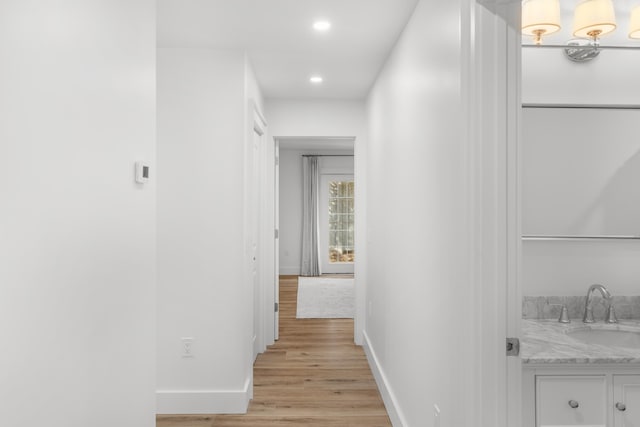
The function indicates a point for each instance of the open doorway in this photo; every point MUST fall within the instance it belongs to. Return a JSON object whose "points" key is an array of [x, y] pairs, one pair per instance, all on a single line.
{"points": [[335, 199], [333, 204]]}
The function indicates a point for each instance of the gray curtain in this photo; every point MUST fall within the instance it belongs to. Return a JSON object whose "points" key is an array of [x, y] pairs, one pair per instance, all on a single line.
{"points": [[310, 224]]}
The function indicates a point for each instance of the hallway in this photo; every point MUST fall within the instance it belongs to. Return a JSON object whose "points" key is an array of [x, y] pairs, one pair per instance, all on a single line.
{"points": [[313, 376]]}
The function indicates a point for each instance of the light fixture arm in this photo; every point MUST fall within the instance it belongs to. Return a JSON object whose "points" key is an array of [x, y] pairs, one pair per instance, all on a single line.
{"points": [[582, 50]]}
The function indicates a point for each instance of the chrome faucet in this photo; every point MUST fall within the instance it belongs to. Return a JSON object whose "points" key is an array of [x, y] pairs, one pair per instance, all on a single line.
{"points": [[610, 315]]}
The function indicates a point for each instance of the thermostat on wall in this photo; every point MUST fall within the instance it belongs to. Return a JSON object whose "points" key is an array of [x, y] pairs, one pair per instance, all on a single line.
{"points": [[142, 172]]}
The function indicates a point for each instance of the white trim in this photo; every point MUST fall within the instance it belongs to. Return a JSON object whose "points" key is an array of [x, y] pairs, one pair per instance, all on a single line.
{"points": [[315, 138], [513, 153], [204, 401], [493, 91], [388, 397], [360, 176], [266, 250], [253, 346], [262, 124], [360, 268], [266, 253], [273, 197]]}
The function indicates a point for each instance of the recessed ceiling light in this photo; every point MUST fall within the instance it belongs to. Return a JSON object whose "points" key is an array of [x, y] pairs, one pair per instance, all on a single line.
{"points": [[315, 79], [322, 25]]}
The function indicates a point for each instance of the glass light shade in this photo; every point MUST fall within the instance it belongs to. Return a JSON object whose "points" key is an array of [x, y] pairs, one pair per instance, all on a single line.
{"points": [[540, 17], [634, 24], [594, 18]]}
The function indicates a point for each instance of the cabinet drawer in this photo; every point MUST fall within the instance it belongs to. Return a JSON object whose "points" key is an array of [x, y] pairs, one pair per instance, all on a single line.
{"points": [[571, 400]]}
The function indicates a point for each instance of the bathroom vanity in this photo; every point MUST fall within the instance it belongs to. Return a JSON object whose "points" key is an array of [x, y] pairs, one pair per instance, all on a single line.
{"points": [[581, 375], [580, 226]]}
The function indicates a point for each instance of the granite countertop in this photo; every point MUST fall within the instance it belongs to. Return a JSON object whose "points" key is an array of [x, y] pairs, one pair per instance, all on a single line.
{"points": [[547, 341]]}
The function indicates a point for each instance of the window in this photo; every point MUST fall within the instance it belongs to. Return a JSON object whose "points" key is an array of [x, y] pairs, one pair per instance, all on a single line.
{"points": [[341, 221]]}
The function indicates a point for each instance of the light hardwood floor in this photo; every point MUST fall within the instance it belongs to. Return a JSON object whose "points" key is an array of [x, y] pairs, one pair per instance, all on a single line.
{"points": [[313, 376]]}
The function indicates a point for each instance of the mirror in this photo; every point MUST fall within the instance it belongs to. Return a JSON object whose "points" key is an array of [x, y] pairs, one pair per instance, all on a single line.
{"points": [[581, 172]]}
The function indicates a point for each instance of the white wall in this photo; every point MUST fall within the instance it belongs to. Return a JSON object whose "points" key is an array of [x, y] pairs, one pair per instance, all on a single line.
{"points": [[291, 202], [419, 257], [316, 118], [549, 78], [580, 172], [77, 234], [202, 288]]}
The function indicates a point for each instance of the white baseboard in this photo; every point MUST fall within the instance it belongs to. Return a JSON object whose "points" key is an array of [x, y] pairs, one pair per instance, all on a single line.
{"points": [[204, 402], [388, 397], [289, 271]]}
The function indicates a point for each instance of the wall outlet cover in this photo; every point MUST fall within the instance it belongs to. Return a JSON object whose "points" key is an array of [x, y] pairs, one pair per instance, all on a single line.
{"points": [[187, 348]]}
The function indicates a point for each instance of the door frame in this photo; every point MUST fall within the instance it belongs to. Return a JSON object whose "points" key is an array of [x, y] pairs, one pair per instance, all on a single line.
{"points": [[275, 208], [492, 88], [265, 310], [359, 157]]}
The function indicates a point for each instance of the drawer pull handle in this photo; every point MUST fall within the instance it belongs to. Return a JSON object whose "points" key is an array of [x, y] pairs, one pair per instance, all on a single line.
{"points": [[573, 404], [621, 407]]}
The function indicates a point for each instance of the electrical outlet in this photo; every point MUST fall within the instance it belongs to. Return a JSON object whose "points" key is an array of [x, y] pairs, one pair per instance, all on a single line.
{"points": [[436, 416], [187, 347]]}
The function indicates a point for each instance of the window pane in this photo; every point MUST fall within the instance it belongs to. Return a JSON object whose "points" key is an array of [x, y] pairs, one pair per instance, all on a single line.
{"points": [[341, 219]]}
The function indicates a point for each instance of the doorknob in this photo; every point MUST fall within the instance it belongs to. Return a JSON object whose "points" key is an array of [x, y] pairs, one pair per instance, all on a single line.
{"points": [[573, 404], [621, 407]]}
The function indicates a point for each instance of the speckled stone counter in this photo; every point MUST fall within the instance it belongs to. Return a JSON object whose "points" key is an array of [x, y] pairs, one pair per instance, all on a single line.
{"points": [[547, 342]]}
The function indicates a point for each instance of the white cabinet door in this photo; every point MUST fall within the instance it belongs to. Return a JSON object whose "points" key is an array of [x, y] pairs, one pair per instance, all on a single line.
{"points": [[626, 400], [571, 400]]}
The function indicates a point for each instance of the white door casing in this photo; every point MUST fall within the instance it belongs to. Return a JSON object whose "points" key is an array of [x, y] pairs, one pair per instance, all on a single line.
{"points": [[259, 240], [493, 90], [276, 244]]}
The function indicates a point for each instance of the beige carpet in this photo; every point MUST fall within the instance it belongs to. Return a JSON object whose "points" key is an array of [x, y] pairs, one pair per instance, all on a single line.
{"points": [[325, 297]]}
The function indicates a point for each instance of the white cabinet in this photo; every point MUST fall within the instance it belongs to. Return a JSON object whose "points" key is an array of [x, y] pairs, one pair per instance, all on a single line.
{"points": [[586, 396], [626, 400], [571, 400]]}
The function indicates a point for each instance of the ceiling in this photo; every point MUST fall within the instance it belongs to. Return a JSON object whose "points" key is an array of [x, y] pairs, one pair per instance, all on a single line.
{"points": [[616, 38], [282, 46]]}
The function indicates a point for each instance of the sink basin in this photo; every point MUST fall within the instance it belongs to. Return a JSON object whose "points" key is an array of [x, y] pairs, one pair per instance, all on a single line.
{"points": [[607, 337]]}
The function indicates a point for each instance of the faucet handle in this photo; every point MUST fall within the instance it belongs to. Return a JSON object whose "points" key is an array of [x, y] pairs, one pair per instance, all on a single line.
{"points": [[610, 315], [564, 314]]}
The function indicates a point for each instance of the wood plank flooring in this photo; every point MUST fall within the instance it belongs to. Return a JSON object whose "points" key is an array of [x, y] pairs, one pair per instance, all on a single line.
{"points": [[313, 376]]}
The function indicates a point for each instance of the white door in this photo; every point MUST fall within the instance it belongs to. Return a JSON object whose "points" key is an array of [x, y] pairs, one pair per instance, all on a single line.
{"points": [[254, 219], [336, 224]]}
